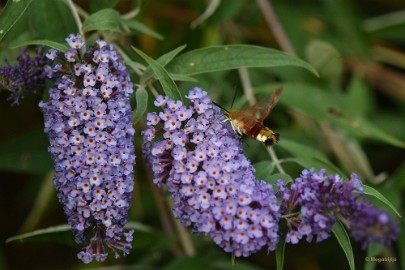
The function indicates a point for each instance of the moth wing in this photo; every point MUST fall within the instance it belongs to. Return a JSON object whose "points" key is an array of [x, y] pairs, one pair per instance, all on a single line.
{"points": [[259, 111], [245, 118]]}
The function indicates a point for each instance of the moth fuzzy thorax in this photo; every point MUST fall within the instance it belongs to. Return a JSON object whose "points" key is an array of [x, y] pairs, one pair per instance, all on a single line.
{"points": [[249, 120]]}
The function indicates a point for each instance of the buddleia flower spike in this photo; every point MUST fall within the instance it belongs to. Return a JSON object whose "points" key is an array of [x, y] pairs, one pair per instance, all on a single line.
{"points": [[212, 183], [88, 121]]}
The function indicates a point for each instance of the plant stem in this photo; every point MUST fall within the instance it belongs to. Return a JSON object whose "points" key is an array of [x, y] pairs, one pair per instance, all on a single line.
{"points": [[76, 16], [248, 91], [275, 159], [274, 24], [247, 85]]}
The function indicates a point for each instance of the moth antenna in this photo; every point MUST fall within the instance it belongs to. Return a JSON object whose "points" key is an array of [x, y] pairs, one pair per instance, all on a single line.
{"points": [[219, 106]]}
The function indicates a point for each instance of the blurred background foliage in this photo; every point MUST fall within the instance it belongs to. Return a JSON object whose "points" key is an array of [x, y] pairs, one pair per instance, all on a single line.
{"points": [[350, 118]]}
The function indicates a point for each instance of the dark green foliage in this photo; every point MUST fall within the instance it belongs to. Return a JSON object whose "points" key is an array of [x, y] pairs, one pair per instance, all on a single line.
{"points": [[342, 109]]}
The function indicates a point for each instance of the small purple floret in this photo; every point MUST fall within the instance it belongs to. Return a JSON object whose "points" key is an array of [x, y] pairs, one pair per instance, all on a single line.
{"points": [[27, 76], [212, 183], [315, 201], [88, 119]]}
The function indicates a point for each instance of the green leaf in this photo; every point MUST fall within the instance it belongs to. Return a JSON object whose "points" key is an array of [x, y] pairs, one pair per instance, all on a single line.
{"points": [[343, 238], [52, 44], [163, 60], [373, 192], [135, 66], [361, 94], [141, 28], [384, 21], [105, 19], [51, 20], [62, 233], [141, 104], [139, 227], [302, 150], [264, 169], [183, 78], [13, 10], [212, 7], [20, 154], [280, 250], [375, 249], [308, 157], [59, 234], [169, 87], [167, 57], [325, 58], [365, 128], [217, 58], [279, 176], [225, 12]]}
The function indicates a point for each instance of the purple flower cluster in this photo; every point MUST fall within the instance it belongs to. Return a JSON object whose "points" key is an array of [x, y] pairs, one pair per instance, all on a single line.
{"points": [[26, 76], [315, 201], [212, 183], [88, 121], [200, 159]]}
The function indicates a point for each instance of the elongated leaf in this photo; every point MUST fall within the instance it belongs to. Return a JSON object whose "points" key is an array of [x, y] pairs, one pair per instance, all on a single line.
{"points": [[13, 10], [212, 7], [53, 229], [169, 87], [280, 250], [300, 150], [105, 19], [163, 60], [167, 57], [139, 227], [51, 20], [279, 176], [375, 249], [343, 238], [325, 58], [217, 58], [264, 169], [135, 65], [141, 28], [361, 94], [55, 45], [59, 234], [308, 157], [183, 78], [62, 233], [367, 128], [141, 104], [373, 192]]}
